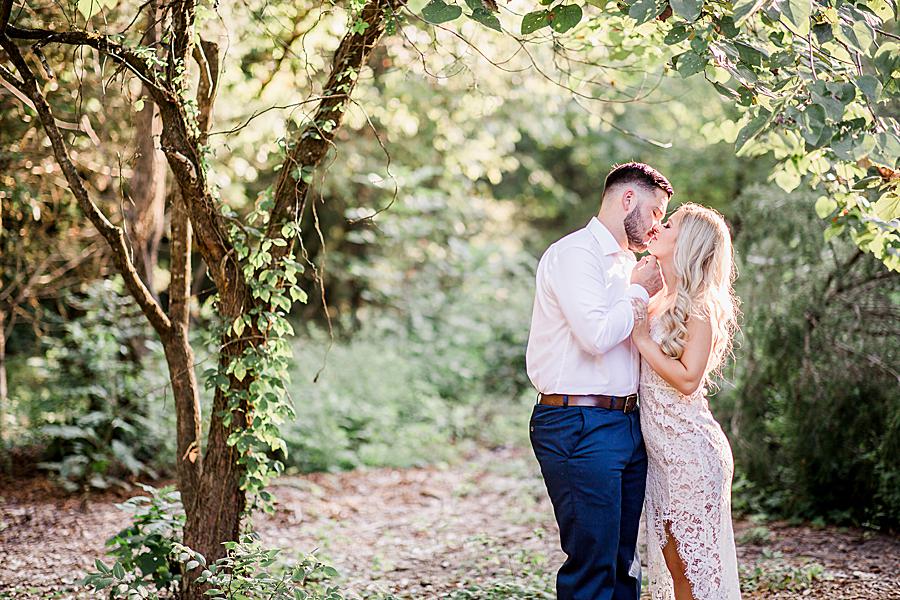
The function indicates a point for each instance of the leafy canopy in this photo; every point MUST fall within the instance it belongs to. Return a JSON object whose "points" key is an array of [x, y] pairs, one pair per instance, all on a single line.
{"points": [[816, 84]]}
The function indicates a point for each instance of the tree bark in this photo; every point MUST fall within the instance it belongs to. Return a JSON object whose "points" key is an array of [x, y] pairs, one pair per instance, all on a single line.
{"points": [[180, 358], [147, 187]]}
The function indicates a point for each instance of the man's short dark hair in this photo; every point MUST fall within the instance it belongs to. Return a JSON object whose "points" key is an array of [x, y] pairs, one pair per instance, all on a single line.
{"points": [[639, 174]]}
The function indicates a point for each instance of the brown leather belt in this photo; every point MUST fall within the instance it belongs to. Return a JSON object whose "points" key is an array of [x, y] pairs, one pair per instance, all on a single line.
{"points": [[626, 404]]}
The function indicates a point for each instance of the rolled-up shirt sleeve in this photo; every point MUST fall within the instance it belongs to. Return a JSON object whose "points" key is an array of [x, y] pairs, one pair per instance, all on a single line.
{"points": [[599, 318]]}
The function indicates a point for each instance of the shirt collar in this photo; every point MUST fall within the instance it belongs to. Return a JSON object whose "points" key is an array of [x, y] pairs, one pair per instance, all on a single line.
{"points": [[608, 244]]}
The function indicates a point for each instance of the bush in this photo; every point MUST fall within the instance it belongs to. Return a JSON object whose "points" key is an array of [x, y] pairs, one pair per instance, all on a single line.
{"points": [[145, 547], [150, 561], [815, 410], [98, 406]]}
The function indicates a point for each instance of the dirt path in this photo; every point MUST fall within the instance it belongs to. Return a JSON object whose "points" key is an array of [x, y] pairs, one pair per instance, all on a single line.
{"points": [[480, 529]]}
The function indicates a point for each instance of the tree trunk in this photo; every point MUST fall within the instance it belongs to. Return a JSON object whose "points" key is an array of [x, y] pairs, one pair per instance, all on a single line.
{"points": [[210, 485], [147, 187]]}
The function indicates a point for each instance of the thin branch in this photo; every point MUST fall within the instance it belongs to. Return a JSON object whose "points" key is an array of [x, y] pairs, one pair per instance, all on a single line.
{"points": [[121, 54], [113, 235]]}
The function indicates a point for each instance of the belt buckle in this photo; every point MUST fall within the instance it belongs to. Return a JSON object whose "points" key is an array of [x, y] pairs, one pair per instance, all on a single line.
{"points": [[630, 403]]}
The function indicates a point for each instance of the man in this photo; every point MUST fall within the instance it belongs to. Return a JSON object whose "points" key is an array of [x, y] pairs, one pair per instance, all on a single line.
{"points": [[585, 429]]}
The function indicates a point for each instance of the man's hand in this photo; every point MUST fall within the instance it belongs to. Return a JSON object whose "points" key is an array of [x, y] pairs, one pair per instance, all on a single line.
{"points": [[648, 275]]}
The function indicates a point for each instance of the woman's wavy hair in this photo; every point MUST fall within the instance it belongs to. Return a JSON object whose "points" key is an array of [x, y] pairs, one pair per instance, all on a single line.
{"points": [[704, 265]]}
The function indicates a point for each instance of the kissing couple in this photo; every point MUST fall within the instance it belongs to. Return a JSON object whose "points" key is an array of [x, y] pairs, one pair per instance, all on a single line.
{"points": [[622, 352]]}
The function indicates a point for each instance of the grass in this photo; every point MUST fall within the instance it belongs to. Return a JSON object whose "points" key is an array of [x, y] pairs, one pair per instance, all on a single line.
{"points": [[773, 573]]}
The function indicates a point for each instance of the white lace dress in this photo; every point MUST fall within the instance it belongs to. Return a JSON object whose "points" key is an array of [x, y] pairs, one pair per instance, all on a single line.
{"points": [[689, 474]]}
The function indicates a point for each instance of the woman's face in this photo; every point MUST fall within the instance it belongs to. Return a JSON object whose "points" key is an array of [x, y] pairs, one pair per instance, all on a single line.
{"points": [[663, 245]]}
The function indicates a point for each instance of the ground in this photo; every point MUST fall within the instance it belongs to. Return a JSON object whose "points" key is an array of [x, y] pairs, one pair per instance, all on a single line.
{"points": [[481, 528]]}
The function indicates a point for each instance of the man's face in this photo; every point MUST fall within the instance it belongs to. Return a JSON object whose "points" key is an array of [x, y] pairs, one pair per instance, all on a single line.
{"points": [[642, 223]]}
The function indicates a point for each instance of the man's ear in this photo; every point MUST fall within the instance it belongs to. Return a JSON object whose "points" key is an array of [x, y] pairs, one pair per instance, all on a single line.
{"points": [[628, 200]]}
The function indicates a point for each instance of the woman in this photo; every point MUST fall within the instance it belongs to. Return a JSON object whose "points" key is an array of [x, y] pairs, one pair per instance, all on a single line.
{"points": [[686, 337]]}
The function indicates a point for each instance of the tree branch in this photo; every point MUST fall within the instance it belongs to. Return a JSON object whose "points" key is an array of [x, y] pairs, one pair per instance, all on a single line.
{"points": [[207, 56], [114, 236], [122, 54], [182, 41], [312, 143]]}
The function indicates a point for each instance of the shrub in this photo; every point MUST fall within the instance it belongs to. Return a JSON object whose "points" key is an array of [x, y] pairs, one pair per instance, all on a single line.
{"points": [[150, 562], [100, 405], [814, 411]]}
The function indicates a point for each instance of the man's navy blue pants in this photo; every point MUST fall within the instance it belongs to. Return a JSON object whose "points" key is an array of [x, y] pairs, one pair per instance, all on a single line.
{"points": [[595, 467]]}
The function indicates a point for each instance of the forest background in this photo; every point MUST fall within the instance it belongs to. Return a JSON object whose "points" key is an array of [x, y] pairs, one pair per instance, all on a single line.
{"points": [[462, 154]]}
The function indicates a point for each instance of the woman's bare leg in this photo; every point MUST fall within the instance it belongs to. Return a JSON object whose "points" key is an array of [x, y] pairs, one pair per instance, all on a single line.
{"points": [[676, 568]]}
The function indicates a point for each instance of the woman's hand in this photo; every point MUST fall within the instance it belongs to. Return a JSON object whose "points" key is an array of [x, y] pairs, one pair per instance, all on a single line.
{"points": [[641, 328]]}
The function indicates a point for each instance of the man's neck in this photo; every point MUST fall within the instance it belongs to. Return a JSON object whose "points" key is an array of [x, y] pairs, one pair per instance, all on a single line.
{"points": [[616, 228]]}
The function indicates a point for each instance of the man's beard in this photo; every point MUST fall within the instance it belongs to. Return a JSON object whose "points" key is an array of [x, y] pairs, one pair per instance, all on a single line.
{"points": [[635, 230]]}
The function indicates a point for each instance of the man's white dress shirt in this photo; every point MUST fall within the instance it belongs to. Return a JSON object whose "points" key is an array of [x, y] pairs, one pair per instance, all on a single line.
{"points": [[580, 341]]}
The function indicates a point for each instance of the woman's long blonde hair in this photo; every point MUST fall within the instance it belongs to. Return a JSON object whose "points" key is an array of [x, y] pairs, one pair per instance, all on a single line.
{"points": [[704, 265]]}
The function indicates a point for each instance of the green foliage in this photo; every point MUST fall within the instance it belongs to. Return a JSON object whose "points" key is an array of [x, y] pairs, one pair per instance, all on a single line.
{"points": [[251, 572], [254, 382], [144, 548], [436, 11], [820, 102], [773, 574], [150, 562], [98, 407], [815, 83], [813, 410]]}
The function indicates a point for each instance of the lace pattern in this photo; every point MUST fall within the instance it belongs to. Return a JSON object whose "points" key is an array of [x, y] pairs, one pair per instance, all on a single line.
{"points": [[689, 477]]}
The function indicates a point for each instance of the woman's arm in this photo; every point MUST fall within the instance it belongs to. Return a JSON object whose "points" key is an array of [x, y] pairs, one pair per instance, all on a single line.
{"points": [[686, 373]]}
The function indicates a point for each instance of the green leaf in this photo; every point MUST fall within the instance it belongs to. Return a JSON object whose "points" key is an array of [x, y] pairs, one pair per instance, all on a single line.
{"points": [[824, 32], [749, 55], [863, 146], [752, 129], [118, 571], [359, 27], [238, 325], [744, 9], [689, 63], [833, 231], [888, 207], [437, 11], [676, 34], [646, 10], [240, 370], [727, 27], [486, 18], [859, 36], [825, 206], [870, 86], [416, 6], [887, 151], [534, 21], [812, 124], [887, 60], [565, 17], [298, 295], [788, 180], [797, 13], [688, 10]]}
